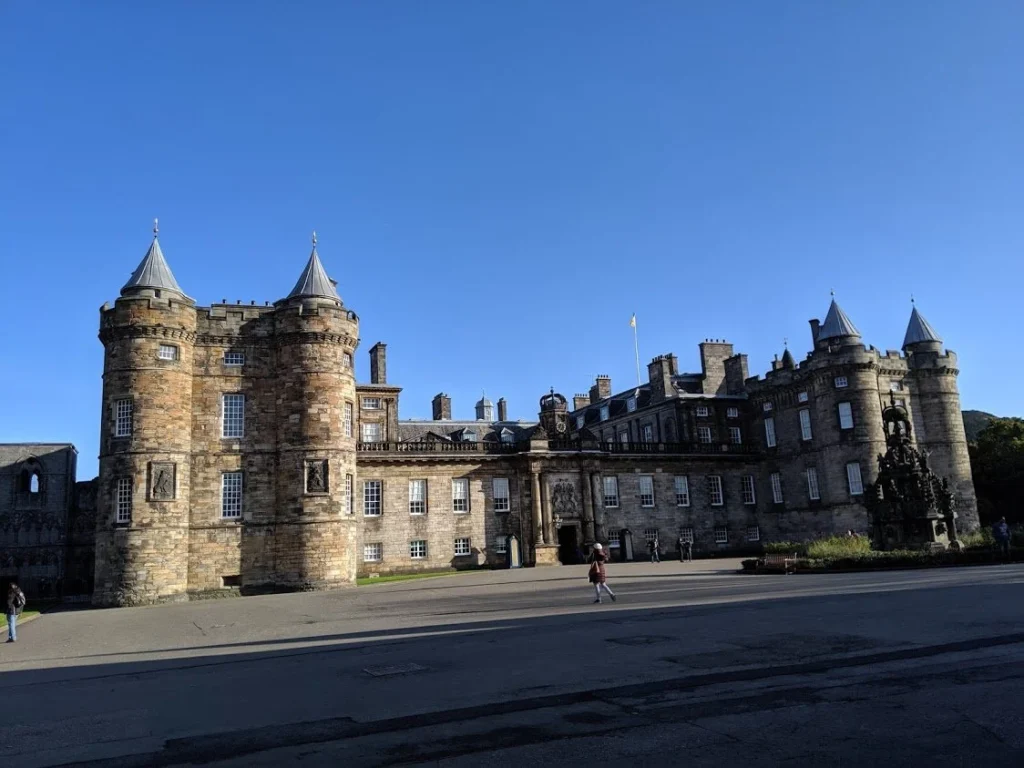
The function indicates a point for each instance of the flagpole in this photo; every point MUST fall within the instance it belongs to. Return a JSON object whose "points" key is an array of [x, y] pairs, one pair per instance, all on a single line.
{"points": [[636, 348]]}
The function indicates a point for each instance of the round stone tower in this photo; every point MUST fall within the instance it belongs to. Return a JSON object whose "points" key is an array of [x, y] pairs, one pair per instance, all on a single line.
{"points": [[940, 431], [145, 439], [316, 535]]}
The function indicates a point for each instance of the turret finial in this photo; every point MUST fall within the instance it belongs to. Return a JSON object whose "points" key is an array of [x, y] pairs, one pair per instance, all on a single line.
{"points": [[156, 227], [832, 291], [314, 238], [785, 342], [912, 299]]}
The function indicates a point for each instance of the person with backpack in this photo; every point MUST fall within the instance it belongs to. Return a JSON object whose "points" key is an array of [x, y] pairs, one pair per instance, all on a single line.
{"points": [[15, 605], [597, 575]]}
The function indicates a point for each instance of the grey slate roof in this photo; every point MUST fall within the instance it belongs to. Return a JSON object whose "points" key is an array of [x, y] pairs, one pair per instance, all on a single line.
{"points": [[919, 330], [836, 324], [314, 281], [416, 431], [153, 271]]}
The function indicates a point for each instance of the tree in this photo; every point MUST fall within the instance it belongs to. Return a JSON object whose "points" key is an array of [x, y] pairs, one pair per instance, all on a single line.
{"points": [[997, 463]]}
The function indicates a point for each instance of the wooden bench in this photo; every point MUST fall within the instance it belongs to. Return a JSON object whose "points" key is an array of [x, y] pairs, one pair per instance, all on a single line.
{"points": [[784, 563]]}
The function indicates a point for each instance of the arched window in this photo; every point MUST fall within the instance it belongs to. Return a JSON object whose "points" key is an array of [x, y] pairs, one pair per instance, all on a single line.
{"points": [[30, 478], [33, 483]]}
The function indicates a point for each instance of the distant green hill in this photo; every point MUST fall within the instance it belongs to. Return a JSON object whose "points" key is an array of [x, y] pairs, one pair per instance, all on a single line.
{"points": [[974, 422]]}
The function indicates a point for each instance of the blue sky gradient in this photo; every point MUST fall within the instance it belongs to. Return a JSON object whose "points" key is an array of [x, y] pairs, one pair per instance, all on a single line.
{"points": [[497, 187]]}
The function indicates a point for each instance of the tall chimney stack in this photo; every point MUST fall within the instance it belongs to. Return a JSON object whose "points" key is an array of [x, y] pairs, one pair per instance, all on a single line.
{"points": [[379, 363], [442, 407], [502, 409]]}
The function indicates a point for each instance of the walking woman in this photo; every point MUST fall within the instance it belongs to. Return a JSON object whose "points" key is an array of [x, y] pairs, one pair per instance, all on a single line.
{"points": [[598, 575]]}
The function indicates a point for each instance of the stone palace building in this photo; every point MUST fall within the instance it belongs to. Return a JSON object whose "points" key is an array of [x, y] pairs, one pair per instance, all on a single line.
{"points": [[238, 450]]}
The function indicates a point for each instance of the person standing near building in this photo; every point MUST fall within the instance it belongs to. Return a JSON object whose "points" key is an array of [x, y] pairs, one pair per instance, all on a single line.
{"points": [[1001, 533], [653, 547], [598, 575], [15, 605]]}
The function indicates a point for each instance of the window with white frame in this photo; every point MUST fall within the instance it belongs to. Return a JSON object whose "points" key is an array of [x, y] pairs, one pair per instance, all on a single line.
{"points": [[580, 420], [735, 435], [417, 497], [123, 499], [234, 359], [604, 413], [469, 436], [732, 413], [613, 539], [373, 497], [233, 418], [418, 549], [231, 495], [805, 424], [854, 478], [767, 406], [168, 352], [623, 437], [769, 431], [460, 494], [812, 484], [895, 386], [802, 397], [753, 533], [371, 403], [776, 479], [630, 404], [500, 544], [841, 382], [704, 434], [682, 491], [370, 432], [346, 360], [686, 534], [650, 534], [611, 492], [123, 410], [348, 494], [747, 485], [646, 491], [721, 534], [373, 553], [647, 433], [508, 436], [462, 547], [845, 416], [347, 411], [702, 410], [502, 500], [715, 490]]}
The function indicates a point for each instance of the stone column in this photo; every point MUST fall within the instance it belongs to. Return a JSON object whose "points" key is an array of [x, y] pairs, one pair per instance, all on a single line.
{"points": [[538, 519], [549, 525], [588, 508], [594, 479]]}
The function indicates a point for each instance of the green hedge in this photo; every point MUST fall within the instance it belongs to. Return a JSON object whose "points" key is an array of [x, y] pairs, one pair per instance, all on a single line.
{"points": [[834, 546]]}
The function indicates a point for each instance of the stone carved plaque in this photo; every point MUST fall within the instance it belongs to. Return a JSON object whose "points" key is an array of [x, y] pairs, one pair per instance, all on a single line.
{"points": [[316, 476], [563, 499], [162, 480]]}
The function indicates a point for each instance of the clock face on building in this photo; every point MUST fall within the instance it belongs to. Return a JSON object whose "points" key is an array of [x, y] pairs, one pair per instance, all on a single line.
{"points": [[560, 426]]}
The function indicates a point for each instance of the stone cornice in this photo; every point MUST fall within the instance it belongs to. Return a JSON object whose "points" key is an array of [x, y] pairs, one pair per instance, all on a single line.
{"points": [[316, 337], [120, 332]]}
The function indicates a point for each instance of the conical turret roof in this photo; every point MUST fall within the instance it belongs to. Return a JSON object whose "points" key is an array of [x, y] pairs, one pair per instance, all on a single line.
{"points": [[314, 282], [153, 271], [919, 329], [836, 324]]}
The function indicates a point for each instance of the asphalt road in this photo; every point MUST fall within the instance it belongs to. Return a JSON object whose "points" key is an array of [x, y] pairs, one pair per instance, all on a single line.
{"points": [[694, 664]]}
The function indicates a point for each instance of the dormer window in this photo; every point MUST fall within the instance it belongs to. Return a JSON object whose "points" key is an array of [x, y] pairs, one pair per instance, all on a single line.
{"points": [[579, 421], [469, 436], [604, 413], [631, 403], [508, 436], [702, 410]]}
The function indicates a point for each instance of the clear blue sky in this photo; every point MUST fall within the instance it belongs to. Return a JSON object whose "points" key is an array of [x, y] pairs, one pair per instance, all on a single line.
{"points": [[497, 187]]}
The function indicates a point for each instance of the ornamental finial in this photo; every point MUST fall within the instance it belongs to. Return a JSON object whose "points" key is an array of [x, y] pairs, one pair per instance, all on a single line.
{"points": [[156, 227], [314, 238]]}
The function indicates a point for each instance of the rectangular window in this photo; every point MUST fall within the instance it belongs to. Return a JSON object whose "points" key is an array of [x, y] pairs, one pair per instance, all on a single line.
{"points": [[650, 534], [895, 386], [901, 402], [372, 498], [769, 431], [631, 404], [735, 436], [747, 483], [854, 478], [418, 549], [647, 433], [231, 495], [500, 544], [704, 434], [370, 433], [346, 360], [623, 437], [802, 397], [168, 352], [686, 534], [417, 497], [841, 382], [233, 422], [123, 410], [715, 490], [462, 547], [805, 424], [646, 491], [502, 502], [767, 407], [732, 413], [371, 403], [702, 410], [348, 494], [682, 491], [580, 421], [234, 358], [613, 539], [812, 484], [753, 533], [776, 487], [845, 416], [611, 492], [373, 553], [460, 494], [124, 500], [721, 534], [604, 413], [347, 419]]}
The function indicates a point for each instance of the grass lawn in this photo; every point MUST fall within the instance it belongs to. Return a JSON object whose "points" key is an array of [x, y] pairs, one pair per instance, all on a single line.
{"points": [[366, 581]]}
